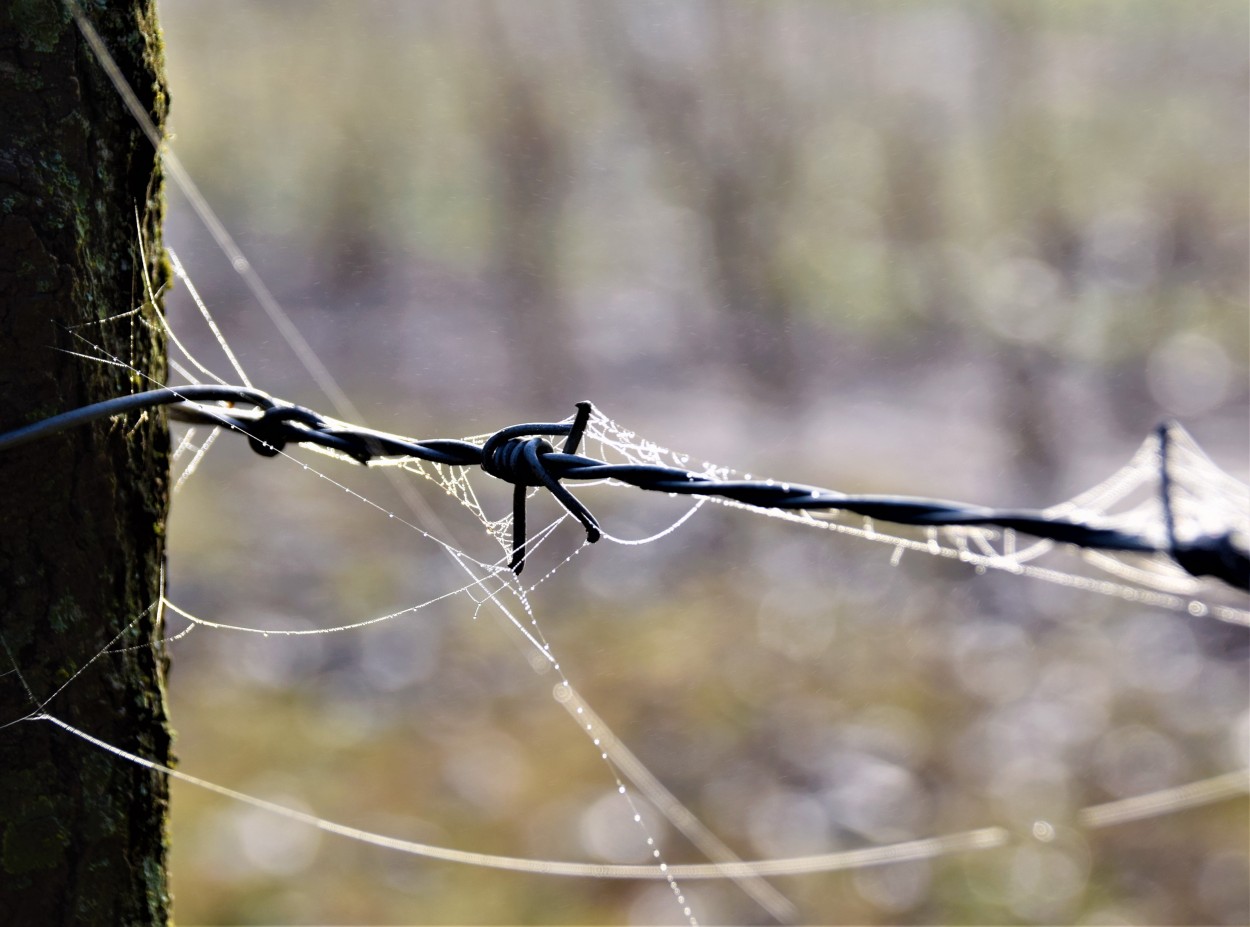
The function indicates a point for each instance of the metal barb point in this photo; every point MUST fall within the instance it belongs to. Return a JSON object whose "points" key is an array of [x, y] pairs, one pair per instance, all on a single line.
{"points": [[518, 455], [521, 455]]}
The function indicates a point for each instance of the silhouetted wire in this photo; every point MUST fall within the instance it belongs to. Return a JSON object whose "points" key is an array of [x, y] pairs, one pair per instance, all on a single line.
{"points": [[522, 455]]}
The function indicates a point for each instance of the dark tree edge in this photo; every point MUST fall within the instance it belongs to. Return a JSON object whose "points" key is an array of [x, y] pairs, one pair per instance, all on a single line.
{"points": [[82, 519]]}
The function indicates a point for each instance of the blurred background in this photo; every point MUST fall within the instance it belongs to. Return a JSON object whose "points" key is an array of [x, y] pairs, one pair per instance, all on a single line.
{"points": [[965, 250]]}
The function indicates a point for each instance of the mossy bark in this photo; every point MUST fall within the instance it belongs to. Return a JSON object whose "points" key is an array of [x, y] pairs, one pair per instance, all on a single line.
{"points": [[82, 833]]}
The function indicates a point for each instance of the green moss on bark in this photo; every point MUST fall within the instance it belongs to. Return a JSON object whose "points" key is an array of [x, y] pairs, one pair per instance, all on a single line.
{"points": [[39, 24], [82, 834]]}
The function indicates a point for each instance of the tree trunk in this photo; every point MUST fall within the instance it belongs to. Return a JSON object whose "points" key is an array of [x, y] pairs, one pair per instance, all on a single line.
{"points": [[82, 832]]}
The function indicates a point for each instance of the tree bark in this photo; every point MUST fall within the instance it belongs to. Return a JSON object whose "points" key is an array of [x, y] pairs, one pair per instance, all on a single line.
{"points": [[82, 832]]}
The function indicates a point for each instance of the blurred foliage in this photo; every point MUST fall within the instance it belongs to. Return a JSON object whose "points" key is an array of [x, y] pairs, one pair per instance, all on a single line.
{"points": [[958, 249]]}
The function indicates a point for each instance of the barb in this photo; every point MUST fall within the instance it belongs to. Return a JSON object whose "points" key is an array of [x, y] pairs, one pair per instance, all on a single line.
{"points": [[521, 455], [1206, 555]]}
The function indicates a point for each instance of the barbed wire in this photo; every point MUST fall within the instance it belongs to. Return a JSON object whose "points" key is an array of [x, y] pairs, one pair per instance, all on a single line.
{"points": [[522, 456]]}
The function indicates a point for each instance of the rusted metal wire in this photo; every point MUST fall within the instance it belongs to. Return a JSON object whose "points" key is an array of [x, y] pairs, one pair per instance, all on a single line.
{"points": [[522, 456]]}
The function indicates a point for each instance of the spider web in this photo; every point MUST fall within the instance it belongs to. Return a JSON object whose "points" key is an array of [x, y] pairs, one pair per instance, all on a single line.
{"points": [[860, 771], [1129, 497]]}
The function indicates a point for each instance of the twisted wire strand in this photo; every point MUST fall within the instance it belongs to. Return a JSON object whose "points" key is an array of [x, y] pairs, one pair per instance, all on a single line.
{"points": [[522, 455]]}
